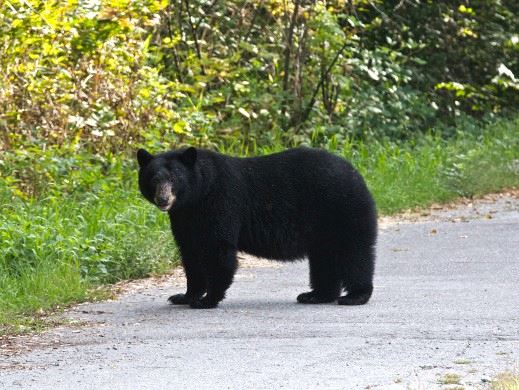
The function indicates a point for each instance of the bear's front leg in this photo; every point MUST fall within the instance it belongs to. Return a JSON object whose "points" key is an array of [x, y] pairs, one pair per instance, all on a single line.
{"points": [[220, 274], [196, 282]]}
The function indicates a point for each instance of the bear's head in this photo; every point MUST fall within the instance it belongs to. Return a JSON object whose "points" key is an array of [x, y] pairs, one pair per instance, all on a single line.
{"points": [[166, 179]]}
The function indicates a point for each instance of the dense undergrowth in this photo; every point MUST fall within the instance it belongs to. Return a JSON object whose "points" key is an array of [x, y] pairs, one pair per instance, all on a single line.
{"points": [[116, 73]]}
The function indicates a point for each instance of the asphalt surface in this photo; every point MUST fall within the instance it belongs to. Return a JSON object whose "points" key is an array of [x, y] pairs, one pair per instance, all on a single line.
{"points": [[446, 301]]}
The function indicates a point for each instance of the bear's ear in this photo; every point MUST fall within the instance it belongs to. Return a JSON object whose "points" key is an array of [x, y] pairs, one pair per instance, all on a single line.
{"points": [[143, 157], [188, 156]]}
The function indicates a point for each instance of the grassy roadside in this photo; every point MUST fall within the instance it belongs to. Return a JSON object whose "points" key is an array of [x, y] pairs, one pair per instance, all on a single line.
{"points": [[72, 221], [416, 174]]}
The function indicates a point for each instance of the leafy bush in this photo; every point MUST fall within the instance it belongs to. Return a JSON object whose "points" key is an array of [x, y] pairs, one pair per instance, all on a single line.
{"points": [[112, 74], [74, 72], [83, 224]]}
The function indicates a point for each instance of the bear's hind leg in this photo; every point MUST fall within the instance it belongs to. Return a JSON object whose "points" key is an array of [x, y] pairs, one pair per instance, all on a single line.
{"points": [[324, 279], [358, 277]]}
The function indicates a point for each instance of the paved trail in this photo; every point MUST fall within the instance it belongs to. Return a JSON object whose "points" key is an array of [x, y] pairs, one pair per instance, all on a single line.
{"points": [[446, 301]]}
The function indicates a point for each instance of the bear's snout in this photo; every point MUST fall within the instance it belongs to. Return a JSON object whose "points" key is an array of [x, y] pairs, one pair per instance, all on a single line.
{"points": [[164, 197]]}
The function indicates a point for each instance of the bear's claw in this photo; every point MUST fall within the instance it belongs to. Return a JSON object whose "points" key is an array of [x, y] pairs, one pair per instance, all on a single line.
{"points": [[179, 299], [203, 303], [356, 297], [312, 297]]}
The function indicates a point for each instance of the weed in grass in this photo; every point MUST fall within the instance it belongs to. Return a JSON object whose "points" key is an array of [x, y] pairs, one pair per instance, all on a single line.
{"points": [[505, 381], [462, 361], [450, 379]]}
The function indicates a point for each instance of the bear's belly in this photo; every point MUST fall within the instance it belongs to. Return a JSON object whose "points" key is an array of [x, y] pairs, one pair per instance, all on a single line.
{"points": [[276, 244]]}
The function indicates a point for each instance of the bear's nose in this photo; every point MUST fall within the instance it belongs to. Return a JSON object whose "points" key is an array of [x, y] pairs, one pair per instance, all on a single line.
{"points": [[162, 201]]}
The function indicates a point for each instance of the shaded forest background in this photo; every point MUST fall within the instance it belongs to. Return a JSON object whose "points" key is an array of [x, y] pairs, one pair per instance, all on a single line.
{"points": [[111, 74]]}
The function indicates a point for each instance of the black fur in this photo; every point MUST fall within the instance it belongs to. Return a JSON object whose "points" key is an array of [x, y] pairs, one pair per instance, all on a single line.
{"points": [[286, 206]]}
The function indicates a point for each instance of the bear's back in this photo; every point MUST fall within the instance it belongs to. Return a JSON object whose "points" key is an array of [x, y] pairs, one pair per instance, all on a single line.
{"points": [[306, 176]]}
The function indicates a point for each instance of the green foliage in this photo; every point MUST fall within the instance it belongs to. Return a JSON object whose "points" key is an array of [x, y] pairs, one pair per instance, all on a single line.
{"points": [[433, 169], [84, 225], [73, 72], [463, 54], [113, 74]]}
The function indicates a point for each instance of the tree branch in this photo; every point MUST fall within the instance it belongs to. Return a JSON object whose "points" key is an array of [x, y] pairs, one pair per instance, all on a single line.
{"points": [[195, 37], [288, 53], [310, 105]]}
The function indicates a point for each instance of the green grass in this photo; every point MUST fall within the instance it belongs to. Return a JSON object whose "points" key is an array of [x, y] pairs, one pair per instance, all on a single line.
{"points": [[416, 174], [70, 222], [54, 248]]}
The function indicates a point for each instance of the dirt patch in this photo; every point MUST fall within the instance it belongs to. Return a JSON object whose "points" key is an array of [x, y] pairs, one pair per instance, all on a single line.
{"points": [[466, 209]]}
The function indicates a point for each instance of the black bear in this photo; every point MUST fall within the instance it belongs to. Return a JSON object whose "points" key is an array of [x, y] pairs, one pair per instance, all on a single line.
{"points": [[290, 205]]}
